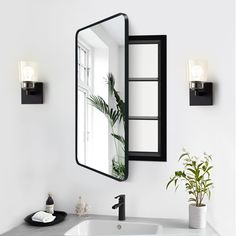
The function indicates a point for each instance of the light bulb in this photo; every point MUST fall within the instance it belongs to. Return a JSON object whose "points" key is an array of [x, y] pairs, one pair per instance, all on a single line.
{"points": [[197, 70], [28, 71]]}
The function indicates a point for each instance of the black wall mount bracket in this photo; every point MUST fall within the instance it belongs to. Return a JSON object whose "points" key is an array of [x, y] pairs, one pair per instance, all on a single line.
{"points": [[32, 95], [201, 97]]}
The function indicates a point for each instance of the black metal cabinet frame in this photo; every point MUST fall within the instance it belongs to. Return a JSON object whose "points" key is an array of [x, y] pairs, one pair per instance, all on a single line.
{"points": [[161, 79]]}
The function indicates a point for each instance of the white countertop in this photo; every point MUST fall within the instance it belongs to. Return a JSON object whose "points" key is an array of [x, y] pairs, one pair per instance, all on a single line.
{"points": [[173, 227]]}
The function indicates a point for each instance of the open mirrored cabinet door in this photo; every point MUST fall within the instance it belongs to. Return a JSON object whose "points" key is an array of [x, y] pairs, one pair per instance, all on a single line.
{"points": [[102, 97]]}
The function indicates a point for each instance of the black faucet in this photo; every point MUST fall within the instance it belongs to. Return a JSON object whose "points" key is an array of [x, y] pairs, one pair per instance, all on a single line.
{"points": [[121, 205]]}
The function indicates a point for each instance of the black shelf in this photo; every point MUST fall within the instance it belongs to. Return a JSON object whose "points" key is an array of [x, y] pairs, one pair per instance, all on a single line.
{"points": [[145, 156], [143, 79], [143, 118]]}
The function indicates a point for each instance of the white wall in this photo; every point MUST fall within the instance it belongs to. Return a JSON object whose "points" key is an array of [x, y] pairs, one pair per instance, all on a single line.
{"points": [[37, 142]]}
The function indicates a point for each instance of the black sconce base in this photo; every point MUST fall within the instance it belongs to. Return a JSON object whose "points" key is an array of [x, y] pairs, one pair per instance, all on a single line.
{"points": [[201, 97], [32, 96]]}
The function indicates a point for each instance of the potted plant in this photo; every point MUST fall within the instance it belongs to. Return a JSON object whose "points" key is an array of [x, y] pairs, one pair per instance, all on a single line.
{"points": [[196, 175]]}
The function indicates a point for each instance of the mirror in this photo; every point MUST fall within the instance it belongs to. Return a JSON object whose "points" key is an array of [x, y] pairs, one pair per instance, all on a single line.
{"points": [[102, 97]]}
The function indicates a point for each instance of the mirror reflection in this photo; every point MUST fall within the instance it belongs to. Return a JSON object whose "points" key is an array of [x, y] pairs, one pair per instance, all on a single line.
{"points": [[101, 97]]}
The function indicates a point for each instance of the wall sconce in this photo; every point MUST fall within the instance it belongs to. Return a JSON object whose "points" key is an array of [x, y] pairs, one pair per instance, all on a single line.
{"points": [[200, 91], [31, 89]]}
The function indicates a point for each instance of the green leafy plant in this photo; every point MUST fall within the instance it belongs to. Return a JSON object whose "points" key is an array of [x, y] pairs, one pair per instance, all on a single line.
{"points": [[119, 138], [196, 174], [113, 115], [99, 103], [118, 169], [120, 105]]}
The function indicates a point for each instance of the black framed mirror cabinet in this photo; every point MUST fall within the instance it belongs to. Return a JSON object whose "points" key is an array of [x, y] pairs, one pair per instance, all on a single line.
{"points": [[120, 97], [102, 97]]}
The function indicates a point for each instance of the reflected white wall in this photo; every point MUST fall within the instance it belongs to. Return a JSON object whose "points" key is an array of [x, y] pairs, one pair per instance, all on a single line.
{"points": [[99, 158]]}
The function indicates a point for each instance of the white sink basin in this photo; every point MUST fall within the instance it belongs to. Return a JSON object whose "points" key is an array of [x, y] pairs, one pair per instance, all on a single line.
{"points": [[92, 227]]}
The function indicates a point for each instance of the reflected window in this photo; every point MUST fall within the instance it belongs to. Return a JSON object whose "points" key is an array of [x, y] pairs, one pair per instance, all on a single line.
{"points": [[84, 90], [83, 63]]}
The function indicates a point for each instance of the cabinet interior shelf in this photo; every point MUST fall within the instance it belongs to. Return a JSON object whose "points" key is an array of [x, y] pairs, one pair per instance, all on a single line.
{"points": [[143, 118], [143, 79], [145, 156]]}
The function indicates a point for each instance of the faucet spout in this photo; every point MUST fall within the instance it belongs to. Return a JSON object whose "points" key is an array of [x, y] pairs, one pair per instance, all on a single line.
{"points": [[117, 205]]}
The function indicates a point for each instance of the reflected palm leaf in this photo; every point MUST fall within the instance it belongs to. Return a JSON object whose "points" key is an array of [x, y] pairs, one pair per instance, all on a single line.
{"points": [[119, 138], [120, 103], [99, 103]]}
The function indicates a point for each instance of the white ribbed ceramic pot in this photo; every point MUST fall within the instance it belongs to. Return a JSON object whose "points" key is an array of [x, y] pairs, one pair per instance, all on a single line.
{"points": [[197, 216]]}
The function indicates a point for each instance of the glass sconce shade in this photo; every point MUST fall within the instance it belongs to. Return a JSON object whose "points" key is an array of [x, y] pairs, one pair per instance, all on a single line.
{"points": [[197, 70], [28, 71]]}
